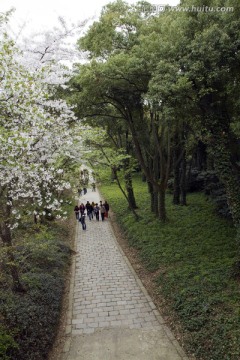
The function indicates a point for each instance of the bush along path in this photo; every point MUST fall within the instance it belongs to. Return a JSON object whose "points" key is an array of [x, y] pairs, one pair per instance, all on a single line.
{"points": [[28, 320], [111, 316]]}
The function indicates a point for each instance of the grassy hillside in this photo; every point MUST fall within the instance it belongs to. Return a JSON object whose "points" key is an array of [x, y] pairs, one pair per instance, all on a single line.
{"points": [[192, 255]]}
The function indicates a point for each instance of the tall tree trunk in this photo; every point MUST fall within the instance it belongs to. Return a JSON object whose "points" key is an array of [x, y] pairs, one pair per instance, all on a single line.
{"points": [[128, 185], [164, 153], [183, 200], [176, 172], [158, 147], [201, 156], [152, 198], [144, 179], [130, 192], [6, 237], [126, 197], [128, 175], [155, 201], [156, 174], [162, 204], [153, 190]]}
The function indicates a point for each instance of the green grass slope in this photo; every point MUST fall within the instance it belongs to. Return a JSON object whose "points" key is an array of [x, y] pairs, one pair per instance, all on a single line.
{"points": [[192, 253]]}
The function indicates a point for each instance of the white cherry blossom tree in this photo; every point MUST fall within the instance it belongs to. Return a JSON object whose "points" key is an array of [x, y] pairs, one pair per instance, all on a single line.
{"points": [[34, 135]]}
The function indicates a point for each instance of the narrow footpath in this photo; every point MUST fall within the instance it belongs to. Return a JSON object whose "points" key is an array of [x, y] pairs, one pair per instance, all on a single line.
{"points": [[111, 316]]}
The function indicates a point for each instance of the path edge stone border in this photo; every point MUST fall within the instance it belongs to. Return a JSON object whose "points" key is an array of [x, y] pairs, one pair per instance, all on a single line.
{"points": [[68, 328]]}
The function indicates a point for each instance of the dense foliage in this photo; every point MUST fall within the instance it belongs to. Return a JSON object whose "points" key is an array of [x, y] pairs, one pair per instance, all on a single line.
{"points": [[164, 86], [29, 320]]}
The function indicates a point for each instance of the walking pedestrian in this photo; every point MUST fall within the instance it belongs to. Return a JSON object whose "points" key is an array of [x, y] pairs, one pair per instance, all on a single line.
{"points": [[82, 220], [89, 209], [102, 211], [81, 208], [76, 210], [106, 205], [96, 211]]}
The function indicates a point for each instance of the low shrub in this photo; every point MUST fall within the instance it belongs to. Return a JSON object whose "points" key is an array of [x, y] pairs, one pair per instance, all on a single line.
{"points": [[30, 318], [7, 343], [33, 315]]}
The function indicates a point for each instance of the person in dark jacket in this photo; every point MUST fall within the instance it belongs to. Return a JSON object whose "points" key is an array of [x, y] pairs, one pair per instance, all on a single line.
{"points": [[89, 209], [76, 210], [96, 211], [106, 205], [82, 208]]}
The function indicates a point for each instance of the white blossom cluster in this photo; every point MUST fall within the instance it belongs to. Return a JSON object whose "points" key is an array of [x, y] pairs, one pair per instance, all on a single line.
{"points": [[54, 49], [34, 135]]}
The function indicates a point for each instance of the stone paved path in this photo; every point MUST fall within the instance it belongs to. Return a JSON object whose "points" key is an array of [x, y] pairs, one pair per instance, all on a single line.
{"points": [[111, 315]]}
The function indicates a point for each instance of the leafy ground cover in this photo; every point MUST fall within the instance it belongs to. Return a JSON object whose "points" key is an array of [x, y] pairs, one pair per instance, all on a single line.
{"points": [[190, 259], [29, 320]]}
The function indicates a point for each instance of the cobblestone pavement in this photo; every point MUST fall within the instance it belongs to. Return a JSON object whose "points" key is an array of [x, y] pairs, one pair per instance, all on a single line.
{"points": [[111, 316]]}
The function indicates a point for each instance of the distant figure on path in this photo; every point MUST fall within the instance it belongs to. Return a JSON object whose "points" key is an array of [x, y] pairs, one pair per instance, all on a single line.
{"points": [[76, 210]]}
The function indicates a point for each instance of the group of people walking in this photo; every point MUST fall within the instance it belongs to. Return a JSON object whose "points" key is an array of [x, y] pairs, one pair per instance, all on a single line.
{"points": [[93, 210], [84, 191]]}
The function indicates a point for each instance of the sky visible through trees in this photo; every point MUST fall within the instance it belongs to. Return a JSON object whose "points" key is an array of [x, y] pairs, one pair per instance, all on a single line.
{"points": [[38, 16]]}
